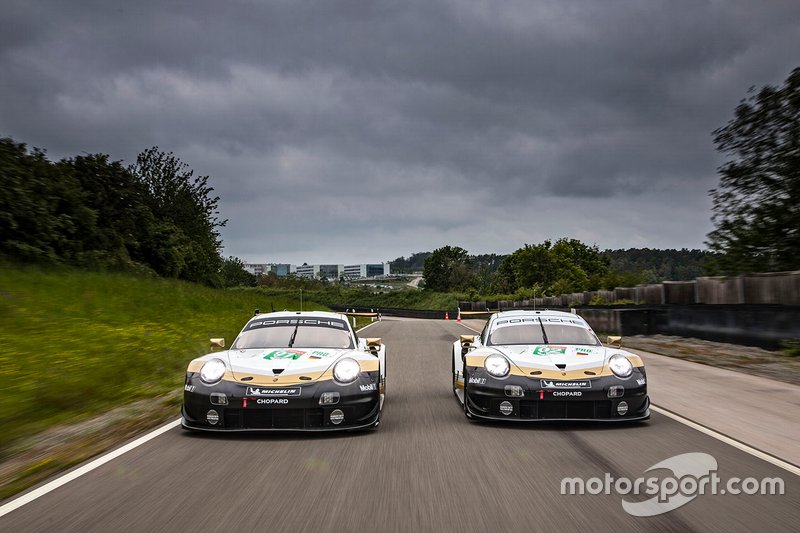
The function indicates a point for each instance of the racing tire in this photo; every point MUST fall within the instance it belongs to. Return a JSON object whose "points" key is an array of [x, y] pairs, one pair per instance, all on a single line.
{"points": [[464, 405], [454, 379]]}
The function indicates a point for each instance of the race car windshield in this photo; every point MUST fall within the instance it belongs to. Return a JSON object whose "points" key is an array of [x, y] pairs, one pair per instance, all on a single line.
{"points": [[535, 333], [300, 333]]}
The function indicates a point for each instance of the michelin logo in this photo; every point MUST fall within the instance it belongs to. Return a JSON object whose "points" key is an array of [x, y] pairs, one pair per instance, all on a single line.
{"points": [[259, 391], [549, 384]]}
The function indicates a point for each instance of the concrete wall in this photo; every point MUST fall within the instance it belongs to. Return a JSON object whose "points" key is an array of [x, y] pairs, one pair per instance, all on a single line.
{"points": [[680, 292], [781, 288], [752, 325]]}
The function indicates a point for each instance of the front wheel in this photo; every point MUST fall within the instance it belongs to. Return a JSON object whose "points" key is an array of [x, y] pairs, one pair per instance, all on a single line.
{"points": [[454, 382], [464, 404]]}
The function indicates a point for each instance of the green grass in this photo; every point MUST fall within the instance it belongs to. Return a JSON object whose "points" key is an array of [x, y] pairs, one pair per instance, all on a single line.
{"points": [[76, 344]]}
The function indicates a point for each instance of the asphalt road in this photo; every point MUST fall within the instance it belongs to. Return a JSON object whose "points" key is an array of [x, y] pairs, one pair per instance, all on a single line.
{"points": [[426, 468]]}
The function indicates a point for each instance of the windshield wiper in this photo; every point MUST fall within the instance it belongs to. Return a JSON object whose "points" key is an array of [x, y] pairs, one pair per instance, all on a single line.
{"points": [[544, 333], [294, 334]]}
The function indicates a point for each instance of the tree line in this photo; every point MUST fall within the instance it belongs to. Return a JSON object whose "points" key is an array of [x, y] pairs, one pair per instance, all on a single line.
{"points": [[154, 216], [563, 266]]}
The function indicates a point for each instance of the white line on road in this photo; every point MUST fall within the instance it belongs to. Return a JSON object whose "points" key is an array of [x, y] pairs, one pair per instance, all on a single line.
{"points": [[789, 467], [78, 472], [85, 469]]}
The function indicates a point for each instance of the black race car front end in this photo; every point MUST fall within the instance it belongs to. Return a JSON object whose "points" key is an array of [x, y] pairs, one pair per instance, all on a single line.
{"points": [[606, 398], [324, 405]]}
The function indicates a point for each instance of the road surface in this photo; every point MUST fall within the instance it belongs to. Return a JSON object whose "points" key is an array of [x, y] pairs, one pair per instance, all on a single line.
{"points": [[426, 468]]}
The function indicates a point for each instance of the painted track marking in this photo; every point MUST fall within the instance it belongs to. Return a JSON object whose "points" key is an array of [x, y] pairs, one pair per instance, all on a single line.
{"points": [[85, 469], [755, 452], [88, 467]]}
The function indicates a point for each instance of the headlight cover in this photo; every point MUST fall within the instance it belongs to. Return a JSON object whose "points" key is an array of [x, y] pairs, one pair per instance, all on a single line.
{"points": [[346, 370], [497, 365], [212, 371], [620, 366]]}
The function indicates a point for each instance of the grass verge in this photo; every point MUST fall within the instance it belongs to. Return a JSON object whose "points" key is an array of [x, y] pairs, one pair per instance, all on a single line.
{"points": [[78, 344]]}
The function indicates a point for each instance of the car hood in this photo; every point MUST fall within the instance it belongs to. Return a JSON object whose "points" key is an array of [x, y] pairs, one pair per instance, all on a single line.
{"points": [[551, 356], [264, 366]]}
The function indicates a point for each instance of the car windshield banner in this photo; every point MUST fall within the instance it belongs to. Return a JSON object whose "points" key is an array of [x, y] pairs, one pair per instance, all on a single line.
{"points": [[313, 322]]}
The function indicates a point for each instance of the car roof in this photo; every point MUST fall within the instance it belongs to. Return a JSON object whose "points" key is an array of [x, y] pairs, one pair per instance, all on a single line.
{"points": [[295, 314], [528, 313]]}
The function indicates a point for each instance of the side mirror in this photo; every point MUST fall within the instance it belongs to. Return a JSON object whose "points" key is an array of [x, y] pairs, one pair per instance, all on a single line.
{"points": [[217, 343], [466, 343], [615, 340], [373, 345]]}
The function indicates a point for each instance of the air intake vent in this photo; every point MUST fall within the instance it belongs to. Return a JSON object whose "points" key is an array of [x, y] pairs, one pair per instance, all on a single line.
{"points": [[561, 366], [278, 371]]}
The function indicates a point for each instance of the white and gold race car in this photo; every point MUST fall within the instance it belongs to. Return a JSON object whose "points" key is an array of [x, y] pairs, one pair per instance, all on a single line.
{"points": [[546, 365], [288, 371]]}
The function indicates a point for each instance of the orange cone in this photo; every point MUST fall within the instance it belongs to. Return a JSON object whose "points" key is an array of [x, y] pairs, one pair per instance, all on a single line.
{"points": [[446, 315], [458, 318]]}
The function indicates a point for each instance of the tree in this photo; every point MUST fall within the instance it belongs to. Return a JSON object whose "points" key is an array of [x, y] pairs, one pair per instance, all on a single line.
{"points": [[234, 274], [117, 219], [566, 266], [756, 210], [41, 211], [447, 269], [187, 243]]}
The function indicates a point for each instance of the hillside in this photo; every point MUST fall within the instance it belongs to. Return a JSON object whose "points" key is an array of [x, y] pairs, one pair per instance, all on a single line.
{"points": [[79, 343]]}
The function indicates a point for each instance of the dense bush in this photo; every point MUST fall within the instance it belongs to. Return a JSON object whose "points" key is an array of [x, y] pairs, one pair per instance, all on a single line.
{"points": [[152, 217]]}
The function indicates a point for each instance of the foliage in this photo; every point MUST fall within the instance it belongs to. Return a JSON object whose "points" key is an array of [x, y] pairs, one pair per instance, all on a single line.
{"points": [[80, 343], [233, 273], [756, 215], [633, 266], [88, 211], [791, 347], [188, 217], [447, 269], [414, 263], [562, 267]]}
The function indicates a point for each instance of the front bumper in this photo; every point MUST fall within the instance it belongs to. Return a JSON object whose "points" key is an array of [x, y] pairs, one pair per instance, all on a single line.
{"points": [[294, 408], [490, 398]]}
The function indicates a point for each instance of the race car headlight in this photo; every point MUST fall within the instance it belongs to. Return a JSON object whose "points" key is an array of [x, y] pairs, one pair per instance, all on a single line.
{"points": [[497, 365], [346, 370], [212, 371], [620, 366]]}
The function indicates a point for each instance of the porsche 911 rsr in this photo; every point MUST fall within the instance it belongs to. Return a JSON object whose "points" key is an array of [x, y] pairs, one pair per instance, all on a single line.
{"points": [[288, 371], [546, 365]]}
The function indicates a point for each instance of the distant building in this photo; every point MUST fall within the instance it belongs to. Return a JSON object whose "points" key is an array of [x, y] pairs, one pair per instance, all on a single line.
{"points": [[366, 270], [283, 269], [307, 271], [279, 269], [257, 268], [329, 271]]}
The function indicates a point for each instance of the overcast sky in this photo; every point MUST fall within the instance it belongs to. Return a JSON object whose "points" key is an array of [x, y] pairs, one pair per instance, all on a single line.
{"points": [[352, 131]]}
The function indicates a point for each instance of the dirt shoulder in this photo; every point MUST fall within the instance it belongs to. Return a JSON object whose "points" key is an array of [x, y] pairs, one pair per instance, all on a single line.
{"points": [[34, 459], [747, 359]]}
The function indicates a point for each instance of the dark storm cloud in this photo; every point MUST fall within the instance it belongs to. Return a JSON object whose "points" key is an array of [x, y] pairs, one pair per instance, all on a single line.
{"points": [[403, 126]]}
